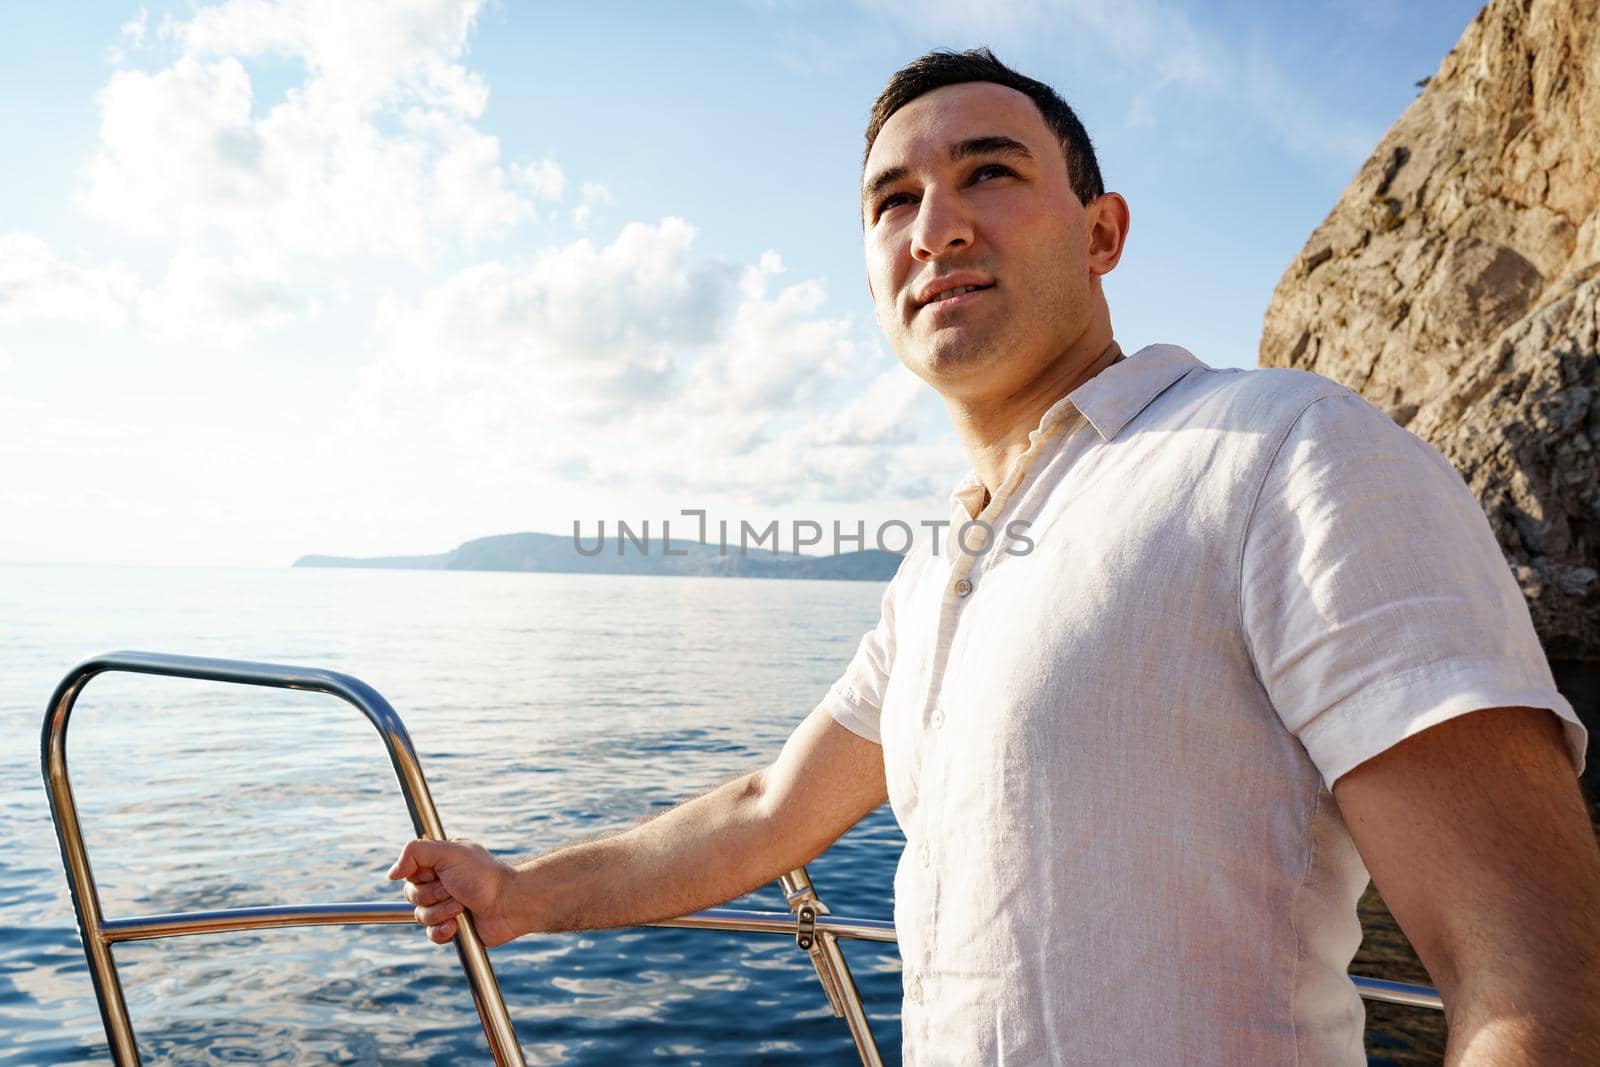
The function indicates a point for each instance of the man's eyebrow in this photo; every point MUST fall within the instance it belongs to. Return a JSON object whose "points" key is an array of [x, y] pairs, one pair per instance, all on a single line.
{"points": [[995, 145]]}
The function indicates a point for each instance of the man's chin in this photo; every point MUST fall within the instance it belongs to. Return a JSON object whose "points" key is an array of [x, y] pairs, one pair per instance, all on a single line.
{"points": [[951, 361]]}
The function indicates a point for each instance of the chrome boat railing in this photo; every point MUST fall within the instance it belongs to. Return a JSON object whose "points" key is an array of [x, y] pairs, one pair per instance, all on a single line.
{"points": [[99, 934], [816, 932]]}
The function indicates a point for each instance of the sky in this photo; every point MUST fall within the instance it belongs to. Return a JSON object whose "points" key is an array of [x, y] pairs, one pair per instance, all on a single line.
{"points": [[373, 278]]}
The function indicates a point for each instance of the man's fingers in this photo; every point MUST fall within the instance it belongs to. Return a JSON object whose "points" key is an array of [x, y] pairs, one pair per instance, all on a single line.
{"points": [[419, 864], [422, 877], [422, 893], [434, 914], [417, 861]]}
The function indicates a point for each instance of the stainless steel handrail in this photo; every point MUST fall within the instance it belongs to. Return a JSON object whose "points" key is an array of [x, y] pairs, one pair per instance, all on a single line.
{"points": [[92, 924], [816, 931], [234, 920]]}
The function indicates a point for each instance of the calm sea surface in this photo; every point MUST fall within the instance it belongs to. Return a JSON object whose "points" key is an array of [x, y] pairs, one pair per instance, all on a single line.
{"points": [[544, 707]]}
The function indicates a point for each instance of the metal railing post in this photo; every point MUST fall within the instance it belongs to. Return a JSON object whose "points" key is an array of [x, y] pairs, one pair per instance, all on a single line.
{"points": [[828, 958], [92, 924]]}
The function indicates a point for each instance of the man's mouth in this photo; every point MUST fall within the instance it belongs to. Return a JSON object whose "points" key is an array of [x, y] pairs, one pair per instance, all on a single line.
{"points": [[952, 295]]}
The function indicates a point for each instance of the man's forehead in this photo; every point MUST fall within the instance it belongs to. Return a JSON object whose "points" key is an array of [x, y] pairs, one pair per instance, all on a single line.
{"points": [[953, 113]]}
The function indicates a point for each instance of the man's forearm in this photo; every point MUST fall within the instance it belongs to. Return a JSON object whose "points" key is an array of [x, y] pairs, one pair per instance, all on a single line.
{"points": [[696, 855]]}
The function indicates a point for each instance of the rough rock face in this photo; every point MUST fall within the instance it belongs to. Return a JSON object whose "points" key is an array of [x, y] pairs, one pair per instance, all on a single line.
{"points": [[1456, 285]]}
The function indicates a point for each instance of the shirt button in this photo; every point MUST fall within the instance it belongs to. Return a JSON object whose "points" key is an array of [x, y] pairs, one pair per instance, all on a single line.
{"points": [[963, 587], [914, 991], [922, 853], [936, 720]]}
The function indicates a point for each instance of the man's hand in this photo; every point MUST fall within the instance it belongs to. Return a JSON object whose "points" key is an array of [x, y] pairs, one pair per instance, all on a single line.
{"points": [[443, 877], [1477, 836]]}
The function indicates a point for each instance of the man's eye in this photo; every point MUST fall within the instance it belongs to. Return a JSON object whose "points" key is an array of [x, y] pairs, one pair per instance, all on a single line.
{"points": [[990, 170], [892, 202]]}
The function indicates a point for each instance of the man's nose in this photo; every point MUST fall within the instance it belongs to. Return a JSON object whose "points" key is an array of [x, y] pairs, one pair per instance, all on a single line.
{"points": [[943, 225]]}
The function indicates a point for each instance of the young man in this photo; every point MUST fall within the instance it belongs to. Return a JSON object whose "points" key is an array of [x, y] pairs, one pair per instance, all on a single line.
{"points": [[1144, 769]]}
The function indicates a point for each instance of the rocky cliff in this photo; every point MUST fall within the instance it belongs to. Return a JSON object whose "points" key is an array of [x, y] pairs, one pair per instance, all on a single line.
{"points": [[1456, 284]]}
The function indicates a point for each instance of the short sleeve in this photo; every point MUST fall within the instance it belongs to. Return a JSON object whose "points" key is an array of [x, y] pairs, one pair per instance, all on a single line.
{"points": [[1375, 600], [856, 699]]}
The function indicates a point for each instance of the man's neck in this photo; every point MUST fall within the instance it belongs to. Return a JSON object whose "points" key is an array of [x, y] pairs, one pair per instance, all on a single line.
{"points": [[994, 435]]}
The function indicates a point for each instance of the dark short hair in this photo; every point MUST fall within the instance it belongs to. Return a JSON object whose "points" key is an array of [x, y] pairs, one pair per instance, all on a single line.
{"points": [[943, 67]]}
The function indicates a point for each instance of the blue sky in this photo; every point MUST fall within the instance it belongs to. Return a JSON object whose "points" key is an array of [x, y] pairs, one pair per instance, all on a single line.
{"points": [[371, 278]]}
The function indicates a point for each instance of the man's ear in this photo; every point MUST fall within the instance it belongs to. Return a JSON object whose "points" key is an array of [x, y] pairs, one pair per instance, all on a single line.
{"points": [[1108, 223]]}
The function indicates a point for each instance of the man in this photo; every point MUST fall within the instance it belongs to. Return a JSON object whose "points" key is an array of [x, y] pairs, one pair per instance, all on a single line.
{"points": [[1144, 769]]}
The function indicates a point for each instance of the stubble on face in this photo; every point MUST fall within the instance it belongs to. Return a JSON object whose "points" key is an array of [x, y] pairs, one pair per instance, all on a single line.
{"points": [[1036, 316]]}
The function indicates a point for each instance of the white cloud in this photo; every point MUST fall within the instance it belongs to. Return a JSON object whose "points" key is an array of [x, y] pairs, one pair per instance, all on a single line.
{"points": [[363, 53], [176, 147], [374, 156], [374, 153], [545, 180], [640, 364], [222, 301], [884, 413], [594, 195], [602, 323], [35, 283], [130, 37], [200, 296]]}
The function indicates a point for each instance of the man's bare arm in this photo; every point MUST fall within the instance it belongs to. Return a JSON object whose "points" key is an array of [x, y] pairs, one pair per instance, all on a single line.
{"points": [[718, 846], [1478, 838]]}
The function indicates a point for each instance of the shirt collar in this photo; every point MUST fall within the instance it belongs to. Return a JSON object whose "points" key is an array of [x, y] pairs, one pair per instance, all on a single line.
{"points": [[1114, 397], [1109, 400], [968, 494]]}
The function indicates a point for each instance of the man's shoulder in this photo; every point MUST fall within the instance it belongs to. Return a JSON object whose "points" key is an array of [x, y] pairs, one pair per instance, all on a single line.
{"points": [[1283, 417], [1265, 387], [1265, 400]]}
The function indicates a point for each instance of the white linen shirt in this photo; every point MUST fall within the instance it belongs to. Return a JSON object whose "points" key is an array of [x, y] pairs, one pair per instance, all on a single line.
{"points": [[1111, 755]]}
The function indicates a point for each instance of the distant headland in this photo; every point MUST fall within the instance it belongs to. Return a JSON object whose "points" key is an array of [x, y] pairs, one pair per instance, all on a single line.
{"points": [[555, 554]]}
